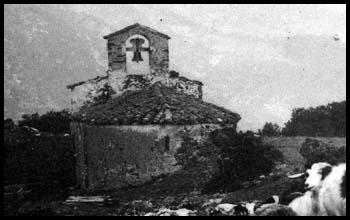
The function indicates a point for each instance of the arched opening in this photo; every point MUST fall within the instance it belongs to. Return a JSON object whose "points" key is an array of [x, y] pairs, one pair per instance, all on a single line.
{"points": [[137, 55]]}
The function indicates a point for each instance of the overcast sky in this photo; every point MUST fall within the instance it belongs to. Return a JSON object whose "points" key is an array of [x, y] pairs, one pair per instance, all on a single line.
{"points": [[260, 61]]}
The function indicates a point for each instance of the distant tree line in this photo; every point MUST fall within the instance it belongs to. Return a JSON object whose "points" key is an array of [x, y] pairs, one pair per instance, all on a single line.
{"points": [[325, 120], [55, 122], [329, 120], [270, 129]]}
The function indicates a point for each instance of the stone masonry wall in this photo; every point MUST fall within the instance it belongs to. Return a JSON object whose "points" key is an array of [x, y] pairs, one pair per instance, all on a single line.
{"points": [[118, 156], [87, 92], [90, 90], [159, 55]]}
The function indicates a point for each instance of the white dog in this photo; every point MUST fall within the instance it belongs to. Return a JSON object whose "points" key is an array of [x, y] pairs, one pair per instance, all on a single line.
{"points": [[327, 191], [333, 192], [306, 205], [316, 175]]}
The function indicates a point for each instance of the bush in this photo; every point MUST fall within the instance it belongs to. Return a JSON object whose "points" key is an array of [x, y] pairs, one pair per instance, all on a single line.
{"points": [[185, 155], [242, 157], [173, 74], [315, 151], [198, 165], [270, 129], [29, 158], [9, 124], [105, 92], [52, 121]]}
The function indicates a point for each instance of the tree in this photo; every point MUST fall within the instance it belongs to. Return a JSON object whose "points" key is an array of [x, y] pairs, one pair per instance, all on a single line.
{"points": [[241, 157], [270, 129], [52, 121], [9, 124], [329, 120]]}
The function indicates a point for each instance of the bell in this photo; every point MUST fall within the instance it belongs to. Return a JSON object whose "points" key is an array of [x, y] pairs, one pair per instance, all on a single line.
{"points": [[137, 56]]}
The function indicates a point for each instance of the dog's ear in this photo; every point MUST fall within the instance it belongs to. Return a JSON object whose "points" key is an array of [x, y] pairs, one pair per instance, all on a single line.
{"points": [[325, 171]]}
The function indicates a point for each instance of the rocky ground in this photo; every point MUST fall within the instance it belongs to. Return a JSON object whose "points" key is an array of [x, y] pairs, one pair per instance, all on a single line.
{"points": [[156, 199], [171, 195]]}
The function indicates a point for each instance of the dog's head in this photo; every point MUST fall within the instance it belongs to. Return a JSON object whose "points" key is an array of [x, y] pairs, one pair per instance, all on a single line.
{"points": [[316, 174]]}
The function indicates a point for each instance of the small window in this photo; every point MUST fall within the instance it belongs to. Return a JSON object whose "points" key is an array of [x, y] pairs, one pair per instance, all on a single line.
{"points": [[167, 143]]}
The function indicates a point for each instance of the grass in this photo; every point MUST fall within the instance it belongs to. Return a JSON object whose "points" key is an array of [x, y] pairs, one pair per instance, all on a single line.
{"points": [[290, 146], [180, 186]]}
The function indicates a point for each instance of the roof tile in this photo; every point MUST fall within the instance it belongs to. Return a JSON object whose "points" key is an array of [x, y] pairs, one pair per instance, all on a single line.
{"points": [[156, 104]]}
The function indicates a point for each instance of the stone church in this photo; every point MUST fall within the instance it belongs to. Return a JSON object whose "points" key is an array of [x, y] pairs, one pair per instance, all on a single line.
{"points": [[129, 124]]}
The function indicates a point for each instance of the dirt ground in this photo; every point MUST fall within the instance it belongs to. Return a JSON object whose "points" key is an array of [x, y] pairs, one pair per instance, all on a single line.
{"points": [[123, 202], [178, 191]]}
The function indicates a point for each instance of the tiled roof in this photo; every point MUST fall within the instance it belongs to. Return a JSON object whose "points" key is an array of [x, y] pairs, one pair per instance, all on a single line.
{"points": [[134, 26], [157, 104]]}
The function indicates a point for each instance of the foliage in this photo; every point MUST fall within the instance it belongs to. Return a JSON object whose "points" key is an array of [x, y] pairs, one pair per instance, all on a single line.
{"points": [[56, 122], [242, 157], [185, 155], [38, 208], [138, 81], [9, 124], [323, 120], [174, 74], [198, 162], [105, 92], [270, 129], [315, 151], [30, 158]]}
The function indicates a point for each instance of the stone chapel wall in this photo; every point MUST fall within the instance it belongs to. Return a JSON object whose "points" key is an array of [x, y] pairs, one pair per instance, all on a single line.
{"points": [[118, 156]]}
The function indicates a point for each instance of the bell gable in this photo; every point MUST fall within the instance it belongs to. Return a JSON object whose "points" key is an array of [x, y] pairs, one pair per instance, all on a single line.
{"points": [[138, 50]]}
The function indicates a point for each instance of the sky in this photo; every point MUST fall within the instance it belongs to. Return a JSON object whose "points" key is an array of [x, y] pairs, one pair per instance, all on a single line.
{"points": [[260, 61]]}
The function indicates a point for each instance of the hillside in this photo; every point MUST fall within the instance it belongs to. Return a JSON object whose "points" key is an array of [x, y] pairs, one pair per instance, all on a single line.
{"points": [[47, 48], [290, 146]]}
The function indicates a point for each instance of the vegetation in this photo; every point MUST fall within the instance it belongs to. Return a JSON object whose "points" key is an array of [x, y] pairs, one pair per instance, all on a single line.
{"points": [[270, 129], [242, 157], [327, 121], [315, 151], [174, 74], [56, 122], [105, 92], [36, 151], [30, 158]]}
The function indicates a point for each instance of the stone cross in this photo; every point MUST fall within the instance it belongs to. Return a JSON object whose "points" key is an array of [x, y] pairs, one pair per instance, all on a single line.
{"points": [[137, 48]]}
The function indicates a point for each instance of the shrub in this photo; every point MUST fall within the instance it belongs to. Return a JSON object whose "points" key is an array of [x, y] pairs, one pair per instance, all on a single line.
{"points": [[105, 92], [9, 124], [185, 155], [270, 129], [242, 157], [29, 158], [173, 74], [56, 122], [39, 208], [315, 151]]}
